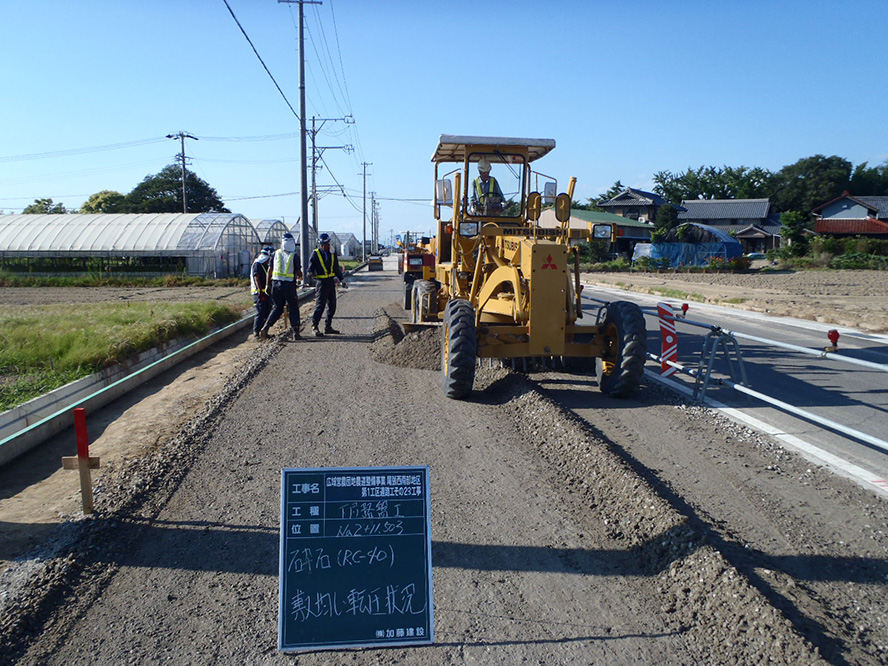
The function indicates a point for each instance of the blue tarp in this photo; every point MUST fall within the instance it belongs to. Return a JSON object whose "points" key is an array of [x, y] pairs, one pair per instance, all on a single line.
{"points": [[713, 243]]}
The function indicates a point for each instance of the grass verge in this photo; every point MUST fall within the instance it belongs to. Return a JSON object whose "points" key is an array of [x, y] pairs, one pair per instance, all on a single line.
{"points": [[45, 347]]}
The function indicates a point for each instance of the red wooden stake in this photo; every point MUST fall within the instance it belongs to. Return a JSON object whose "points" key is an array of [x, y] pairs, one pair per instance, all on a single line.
{"points": [[83, 459]]}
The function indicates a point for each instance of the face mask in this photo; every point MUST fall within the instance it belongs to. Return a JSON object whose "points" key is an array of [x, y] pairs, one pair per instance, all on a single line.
{"points": [[289, 245]]}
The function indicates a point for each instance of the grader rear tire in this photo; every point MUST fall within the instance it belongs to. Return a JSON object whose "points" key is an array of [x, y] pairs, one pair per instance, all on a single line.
{"points": [[619, 373], [459, 349]]}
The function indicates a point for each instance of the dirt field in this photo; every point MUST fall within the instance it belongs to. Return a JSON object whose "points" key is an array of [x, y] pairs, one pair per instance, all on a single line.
{"points": [[567, 528], [74, 295], [856, 299]]}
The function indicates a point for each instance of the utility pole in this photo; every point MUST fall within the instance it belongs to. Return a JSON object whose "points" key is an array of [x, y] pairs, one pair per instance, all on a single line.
{"points": [[373, 248], [364, 244], [316, 152], [303, 231], [182, 136], [376, 217], [374, 224]]}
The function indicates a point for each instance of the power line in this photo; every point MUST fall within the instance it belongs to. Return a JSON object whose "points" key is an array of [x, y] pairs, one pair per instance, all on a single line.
{"points": [[260, 58], [266, 137], [263, 196], [79, 151], [329, 58], [278, 161], [339, 52], [74, 174]]}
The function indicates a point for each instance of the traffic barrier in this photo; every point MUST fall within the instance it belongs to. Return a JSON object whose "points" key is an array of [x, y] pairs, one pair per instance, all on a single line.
{"points": [[702, 374]]}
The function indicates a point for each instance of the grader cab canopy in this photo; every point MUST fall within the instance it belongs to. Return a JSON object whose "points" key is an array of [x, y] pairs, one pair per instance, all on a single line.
{"points": [[500, 187]]}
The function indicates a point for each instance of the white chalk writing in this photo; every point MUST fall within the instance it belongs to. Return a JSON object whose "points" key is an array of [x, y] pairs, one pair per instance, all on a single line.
{"points": [[386, 600]]}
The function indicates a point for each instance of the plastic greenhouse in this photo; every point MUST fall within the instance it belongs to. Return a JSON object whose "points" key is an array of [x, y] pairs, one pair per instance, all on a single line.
{"points": [[271, 231], [693, 244], [214, 245]]}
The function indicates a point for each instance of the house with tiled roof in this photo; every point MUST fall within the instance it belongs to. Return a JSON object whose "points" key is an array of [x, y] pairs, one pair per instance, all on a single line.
{"points": [[750, 221], [634, 204], [853, 216], [629, 231]]}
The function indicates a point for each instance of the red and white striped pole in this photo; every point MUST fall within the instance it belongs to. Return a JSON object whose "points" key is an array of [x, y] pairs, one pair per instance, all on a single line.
{"points": [[668, 339]]}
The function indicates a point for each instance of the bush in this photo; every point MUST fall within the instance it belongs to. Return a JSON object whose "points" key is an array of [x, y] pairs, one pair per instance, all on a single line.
{"points": [[594, 253], [732, 264], [650, 264], [860, 261]]}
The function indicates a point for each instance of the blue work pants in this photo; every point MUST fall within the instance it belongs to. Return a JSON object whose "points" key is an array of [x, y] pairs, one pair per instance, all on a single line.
{"points": [[284, 292]]}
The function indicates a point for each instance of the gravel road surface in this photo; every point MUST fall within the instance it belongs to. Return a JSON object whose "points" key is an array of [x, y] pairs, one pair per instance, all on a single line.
{"points": [[567, 528]]}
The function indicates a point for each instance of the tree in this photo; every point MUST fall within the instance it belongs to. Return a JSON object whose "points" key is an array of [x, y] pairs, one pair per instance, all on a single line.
{"points": [[106, 201], [793, 230], [714, 183], [44, 207], [869, 181], [162, 193], [745, 183], [614, 190], [667, 217], [688, 185], [810, 182]]}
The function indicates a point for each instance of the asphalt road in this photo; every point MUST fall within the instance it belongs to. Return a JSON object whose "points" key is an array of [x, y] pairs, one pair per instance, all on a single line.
{"points": [[850, 395]]}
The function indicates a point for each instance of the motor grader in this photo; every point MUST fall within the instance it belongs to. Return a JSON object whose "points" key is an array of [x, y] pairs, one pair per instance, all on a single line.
{"points": [[504, 287]]}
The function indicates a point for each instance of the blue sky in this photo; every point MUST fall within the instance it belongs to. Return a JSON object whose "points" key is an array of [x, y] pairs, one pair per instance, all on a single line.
{"points": [[625, 88]]}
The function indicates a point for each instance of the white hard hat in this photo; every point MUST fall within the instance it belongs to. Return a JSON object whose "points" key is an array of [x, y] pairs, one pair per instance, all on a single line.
{"points": [[483, 164]]}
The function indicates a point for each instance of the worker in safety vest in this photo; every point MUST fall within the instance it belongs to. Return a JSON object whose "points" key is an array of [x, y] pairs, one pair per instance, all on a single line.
{"points": [[487, 197], [285, 270], [325, 269], [260, 287]]}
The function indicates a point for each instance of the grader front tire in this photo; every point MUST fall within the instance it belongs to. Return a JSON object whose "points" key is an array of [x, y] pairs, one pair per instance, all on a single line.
{"points": [[422, 304], [619, 372], [459, 349], [408, 293]]}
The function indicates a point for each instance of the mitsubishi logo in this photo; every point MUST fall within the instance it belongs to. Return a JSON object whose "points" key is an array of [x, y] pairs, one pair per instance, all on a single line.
{"points": [[549, 264]]}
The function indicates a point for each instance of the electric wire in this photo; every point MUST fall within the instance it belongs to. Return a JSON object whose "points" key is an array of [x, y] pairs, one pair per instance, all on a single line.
{"points": [[265, 137], [267, 71], [81, 151], [329, 58], [345, 196]]}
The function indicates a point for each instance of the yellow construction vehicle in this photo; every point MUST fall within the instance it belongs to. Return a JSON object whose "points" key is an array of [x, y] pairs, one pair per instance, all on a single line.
{"points": [[505, 287]]}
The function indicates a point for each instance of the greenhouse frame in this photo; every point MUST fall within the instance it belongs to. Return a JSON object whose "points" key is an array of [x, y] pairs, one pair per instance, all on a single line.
{"points": [[211, 245], [271, 231]]}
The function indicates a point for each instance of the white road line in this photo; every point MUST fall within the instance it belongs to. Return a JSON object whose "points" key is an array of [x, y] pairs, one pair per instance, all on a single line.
{"points": [[808, 451]]}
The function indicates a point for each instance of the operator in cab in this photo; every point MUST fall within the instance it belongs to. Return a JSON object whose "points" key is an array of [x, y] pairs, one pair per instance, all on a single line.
{"points": [[486, 195]]}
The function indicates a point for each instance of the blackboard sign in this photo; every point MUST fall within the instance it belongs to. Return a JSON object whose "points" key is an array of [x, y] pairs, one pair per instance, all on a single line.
{"points": [[355, 559]]}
